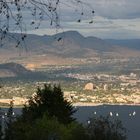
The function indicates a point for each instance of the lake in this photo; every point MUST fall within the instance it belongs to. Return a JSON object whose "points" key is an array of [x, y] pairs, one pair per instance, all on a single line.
{"points": [[129, 115]]}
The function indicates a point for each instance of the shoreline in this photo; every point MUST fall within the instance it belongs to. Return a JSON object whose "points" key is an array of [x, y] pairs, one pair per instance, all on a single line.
{"points": [[101, 104], [82, 104]]}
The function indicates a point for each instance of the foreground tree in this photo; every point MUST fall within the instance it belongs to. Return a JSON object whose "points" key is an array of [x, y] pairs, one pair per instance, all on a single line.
{"points": [[48, 116], [9, 119], [49, 100], [48, 128], [105, 128], [1, 131]]}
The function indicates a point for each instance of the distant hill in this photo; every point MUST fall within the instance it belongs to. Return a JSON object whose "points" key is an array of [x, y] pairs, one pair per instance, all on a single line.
{"points": [[62, 46], [67, 44], [13, 70], [126, 43]]}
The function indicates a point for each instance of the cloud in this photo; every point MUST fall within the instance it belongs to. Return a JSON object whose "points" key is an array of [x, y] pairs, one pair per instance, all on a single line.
{"points": [[112, 9], [101, 27], [113, 19], [112, 28], [117, 9]]}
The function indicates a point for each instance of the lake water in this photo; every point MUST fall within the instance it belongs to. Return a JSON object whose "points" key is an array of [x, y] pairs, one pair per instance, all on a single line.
{"points": [[129, 115]]}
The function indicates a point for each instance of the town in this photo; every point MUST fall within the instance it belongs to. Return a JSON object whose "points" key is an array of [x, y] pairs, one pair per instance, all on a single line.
{"points": [[86, 88]]}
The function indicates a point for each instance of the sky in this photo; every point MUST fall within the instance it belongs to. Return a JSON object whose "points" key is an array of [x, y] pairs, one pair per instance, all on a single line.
{"points": [[116, 19]]}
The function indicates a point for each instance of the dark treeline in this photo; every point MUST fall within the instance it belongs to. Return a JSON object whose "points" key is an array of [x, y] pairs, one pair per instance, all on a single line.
{"points": [[48, 116]]}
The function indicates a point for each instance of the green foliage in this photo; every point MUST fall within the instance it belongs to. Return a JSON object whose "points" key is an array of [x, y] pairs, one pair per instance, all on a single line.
{"points": [[9, 123], [105, 128], [49, 100], [49, 117], [1, 133], [48, 128], [20, 130]]}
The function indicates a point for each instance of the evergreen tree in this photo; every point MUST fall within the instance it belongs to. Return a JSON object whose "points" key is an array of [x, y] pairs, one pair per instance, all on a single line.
{"points": [[1, 132], [9, 123], [49, 100]]}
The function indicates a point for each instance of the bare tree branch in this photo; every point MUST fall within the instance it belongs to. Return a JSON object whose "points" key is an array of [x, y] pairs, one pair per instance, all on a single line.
{"points": [[12, 17]]}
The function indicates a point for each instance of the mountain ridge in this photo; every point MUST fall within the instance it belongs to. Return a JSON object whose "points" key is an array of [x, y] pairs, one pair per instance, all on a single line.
{"points": [[69, 44]]}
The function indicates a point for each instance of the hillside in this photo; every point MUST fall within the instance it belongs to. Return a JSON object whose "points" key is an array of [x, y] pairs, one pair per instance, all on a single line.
{"points": [[13, 70], [63, 48]]}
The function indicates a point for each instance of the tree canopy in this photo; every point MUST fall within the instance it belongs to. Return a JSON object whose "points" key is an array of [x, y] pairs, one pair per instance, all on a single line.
{"points": [[49, 116], [105, 128], [49, 100]]}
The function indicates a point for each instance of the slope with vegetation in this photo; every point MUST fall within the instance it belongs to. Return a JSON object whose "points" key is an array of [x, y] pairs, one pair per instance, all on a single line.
{"points": [[70, 45]]}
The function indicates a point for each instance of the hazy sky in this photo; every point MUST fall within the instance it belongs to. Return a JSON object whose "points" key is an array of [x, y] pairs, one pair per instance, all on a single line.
{"points": [[113, 19]]}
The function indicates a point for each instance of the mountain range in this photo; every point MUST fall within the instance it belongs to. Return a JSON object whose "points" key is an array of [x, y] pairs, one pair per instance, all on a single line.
{"points": [[69, 45]]}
